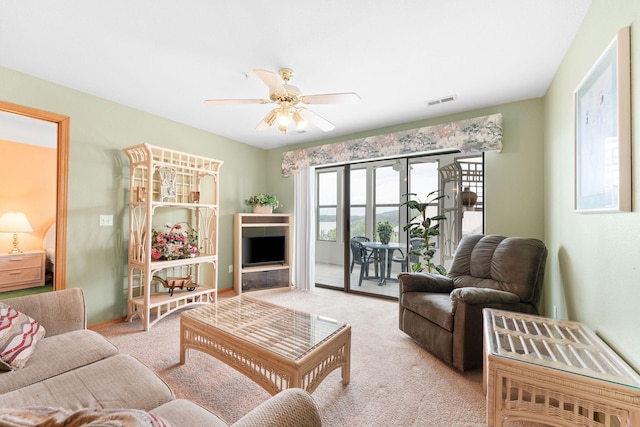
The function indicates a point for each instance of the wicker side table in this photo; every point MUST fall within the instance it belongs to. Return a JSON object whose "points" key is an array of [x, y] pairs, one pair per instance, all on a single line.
{"points": [[554, 372]]}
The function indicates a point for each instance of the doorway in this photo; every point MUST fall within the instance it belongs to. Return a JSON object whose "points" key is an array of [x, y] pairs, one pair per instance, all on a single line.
{"points": [[49, 234]]}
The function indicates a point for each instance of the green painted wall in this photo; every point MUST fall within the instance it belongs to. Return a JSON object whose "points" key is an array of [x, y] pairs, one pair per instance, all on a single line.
{"points": [[594, 259], [98, 182]]}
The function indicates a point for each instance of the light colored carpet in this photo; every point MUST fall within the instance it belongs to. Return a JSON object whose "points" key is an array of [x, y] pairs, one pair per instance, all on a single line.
{"points": [[394, 382]]}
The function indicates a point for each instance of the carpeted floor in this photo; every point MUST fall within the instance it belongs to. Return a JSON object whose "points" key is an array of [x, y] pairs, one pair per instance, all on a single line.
{"points": [[394, 382]]}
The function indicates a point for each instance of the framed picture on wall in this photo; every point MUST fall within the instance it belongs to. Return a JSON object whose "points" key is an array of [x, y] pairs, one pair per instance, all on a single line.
{"points": [[602, 105]]}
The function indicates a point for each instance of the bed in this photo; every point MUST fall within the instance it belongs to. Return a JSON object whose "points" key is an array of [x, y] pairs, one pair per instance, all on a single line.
{"points": [[49, 247]]}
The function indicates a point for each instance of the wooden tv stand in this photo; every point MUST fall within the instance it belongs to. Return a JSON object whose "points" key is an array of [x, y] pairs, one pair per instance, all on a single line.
{"points": [[263, 277]]}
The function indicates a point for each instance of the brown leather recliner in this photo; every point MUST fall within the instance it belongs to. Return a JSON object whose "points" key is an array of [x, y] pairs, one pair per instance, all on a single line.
{"points": [[444, 313]]}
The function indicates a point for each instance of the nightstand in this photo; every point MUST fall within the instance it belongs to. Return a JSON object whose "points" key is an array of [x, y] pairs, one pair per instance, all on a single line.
{"points": [[23, 270]]}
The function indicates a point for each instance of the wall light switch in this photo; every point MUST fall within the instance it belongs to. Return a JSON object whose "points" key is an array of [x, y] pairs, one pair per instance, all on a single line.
{"points": [[106, 220]]}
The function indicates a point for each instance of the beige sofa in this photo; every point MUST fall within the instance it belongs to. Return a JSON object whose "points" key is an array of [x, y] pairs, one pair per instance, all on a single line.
{"points": [[75, 368]]}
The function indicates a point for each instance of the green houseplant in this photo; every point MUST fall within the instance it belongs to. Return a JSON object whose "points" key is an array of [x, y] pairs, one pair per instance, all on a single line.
{"points": [[267, 202], [384, 230], [423, 227]]}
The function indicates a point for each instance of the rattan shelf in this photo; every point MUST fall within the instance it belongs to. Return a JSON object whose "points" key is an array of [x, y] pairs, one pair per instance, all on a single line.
{"points": [[165, 184]]}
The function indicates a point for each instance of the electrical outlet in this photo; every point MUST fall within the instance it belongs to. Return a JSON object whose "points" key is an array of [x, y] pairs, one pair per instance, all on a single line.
{"points": [[230, 268], [106, 220]]}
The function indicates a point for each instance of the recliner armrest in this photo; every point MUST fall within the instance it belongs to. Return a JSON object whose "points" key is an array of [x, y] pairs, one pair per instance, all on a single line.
{"points": [[482, 296], [425, 282]]}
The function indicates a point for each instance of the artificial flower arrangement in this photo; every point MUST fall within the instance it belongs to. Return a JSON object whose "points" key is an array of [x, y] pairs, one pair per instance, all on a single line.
{"points": [[178, 243]]}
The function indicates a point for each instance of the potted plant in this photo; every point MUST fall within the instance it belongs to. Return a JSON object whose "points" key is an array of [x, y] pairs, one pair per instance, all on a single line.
{"points": [[423, 227], [384, 230], [262, 203]]}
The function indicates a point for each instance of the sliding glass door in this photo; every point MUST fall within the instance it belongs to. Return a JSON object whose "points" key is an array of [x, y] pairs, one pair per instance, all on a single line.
{"points": [[376, 240], [361, 245], [329, 228], [352, 200]]}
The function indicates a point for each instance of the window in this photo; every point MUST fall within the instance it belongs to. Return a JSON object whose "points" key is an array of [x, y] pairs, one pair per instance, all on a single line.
{"points": [[423, 180], [423, 177], [387, 198], [358, 193], [327, 185]]}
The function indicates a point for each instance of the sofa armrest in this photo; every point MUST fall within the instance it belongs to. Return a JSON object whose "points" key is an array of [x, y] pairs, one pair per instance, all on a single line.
{"points": [[424, 282], [290, 407], [58, 311]]}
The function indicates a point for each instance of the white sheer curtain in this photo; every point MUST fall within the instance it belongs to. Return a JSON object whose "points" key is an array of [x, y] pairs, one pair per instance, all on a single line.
{"points": [[304, 227]]}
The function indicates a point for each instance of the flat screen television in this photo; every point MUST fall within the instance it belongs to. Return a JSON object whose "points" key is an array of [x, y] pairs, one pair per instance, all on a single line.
{"points": [[263, 250]]}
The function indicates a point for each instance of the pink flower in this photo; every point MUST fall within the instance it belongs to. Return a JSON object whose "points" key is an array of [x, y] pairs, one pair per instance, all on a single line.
{"points": [[156, 253], [160, 240]]}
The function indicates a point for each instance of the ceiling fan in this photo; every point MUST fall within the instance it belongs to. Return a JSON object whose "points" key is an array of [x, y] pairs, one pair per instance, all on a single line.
{"points": [[291, 103]]}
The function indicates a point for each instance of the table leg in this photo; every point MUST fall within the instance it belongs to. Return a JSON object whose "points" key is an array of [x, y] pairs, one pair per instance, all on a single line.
{"points": [[183, 350], [389, 257], [382, 255], [346, 369]]}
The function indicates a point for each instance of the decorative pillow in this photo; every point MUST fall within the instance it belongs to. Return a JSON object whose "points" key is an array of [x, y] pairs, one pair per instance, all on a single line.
{"points": [[19, 334], [54, 417]]}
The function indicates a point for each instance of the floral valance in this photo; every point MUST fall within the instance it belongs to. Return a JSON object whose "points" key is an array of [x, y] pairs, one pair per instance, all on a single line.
{"points": [[468, 136]]}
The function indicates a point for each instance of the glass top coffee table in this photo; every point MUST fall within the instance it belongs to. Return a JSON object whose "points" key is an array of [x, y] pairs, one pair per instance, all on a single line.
{"points": [[275, 346]]}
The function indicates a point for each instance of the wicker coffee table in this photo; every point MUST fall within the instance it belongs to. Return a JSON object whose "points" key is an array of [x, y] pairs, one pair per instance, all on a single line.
{"points": [[276, 347]]}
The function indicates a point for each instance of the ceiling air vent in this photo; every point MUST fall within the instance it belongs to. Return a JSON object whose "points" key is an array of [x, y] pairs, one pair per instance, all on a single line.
{"points": [[440, 100]]}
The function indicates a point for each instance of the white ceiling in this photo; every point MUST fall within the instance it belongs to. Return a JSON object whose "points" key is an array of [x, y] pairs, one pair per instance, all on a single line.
{"points": [[166, 57]]}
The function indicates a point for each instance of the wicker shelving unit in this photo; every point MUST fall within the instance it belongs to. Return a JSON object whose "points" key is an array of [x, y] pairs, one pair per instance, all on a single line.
{"points": [[175, 187]]}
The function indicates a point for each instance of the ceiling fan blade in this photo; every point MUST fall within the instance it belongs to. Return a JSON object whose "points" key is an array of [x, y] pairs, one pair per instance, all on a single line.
{"points": [[315, 119], [272, 80], [332, 98], [235, 101]]}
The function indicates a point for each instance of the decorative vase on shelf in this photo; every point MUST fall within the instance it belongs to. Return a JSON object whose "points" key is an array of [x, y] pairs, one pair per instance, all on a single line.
{"points": [[468, 197], [168, 184], [264, 209]]}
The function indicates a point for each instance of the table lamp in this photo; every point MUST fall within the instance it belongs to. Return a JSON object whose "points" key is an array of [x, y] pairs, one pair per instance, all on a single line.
{"points": [[15, 222]]}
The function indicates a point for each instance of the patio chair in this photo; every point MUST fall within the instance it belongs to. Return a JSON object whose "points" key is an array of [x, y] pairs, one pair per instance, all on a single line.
{"points": [[363, 257], [414, 245]]}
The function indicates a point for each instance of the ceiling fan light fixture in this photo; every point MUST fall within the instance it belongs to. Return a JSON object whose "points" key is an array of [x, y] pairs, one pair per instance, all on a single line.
{"points": [[289, 103], [283, 116], [299, 121], [268, 121], [271, 118]]}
